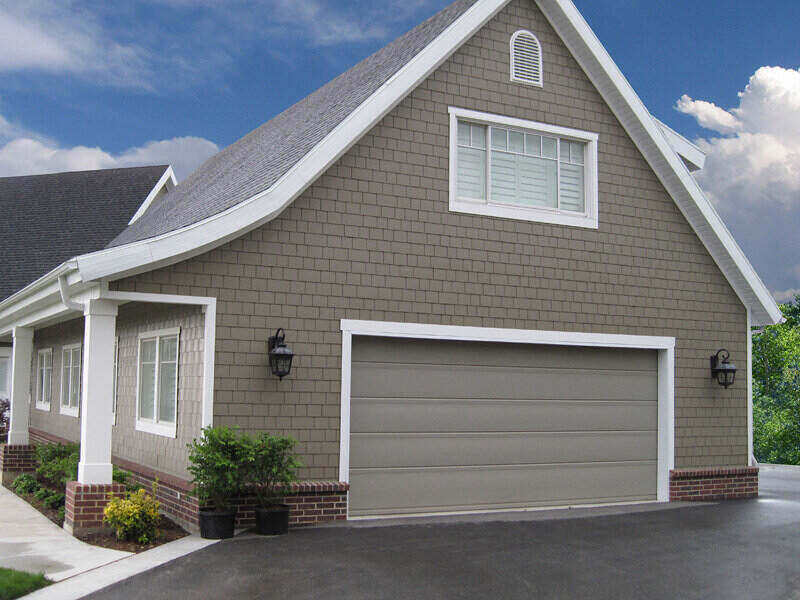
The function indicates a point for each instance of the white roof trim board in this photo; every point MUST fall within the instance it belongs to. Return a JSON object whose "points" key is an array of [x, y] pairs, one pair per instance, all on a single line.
{"points": [[693, 157], [167, 182], [649, 136]]}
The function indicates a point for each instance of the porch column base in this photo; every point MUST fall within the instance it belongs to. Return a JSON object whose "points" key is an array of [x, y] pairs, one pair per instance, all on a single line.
{"points": [[94, 472], [18, 438], [16, 460], [83, 514]]}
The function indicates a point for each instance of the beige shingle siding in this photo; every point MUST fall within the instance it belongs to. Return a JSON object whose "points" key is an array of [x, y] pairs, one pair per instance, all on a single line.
{"points": [[373, 239], [158, 452]]}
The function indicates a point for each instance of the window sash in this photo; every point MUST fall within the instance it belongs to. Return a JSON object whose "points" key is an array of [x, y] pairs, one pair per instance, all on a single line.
{"points": [[158, 379], [5, 377], [71, 378], [44, 378], [521, 167]]}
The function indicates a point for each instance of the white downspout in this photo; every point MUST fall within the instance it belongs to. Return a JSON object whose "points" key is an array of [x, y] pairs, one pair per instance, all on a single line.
{"points": [[65, 299]]}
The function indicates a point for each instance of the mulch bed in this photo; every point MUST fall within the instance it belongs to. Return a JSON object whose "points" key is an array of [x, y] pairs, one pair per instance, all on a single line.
{"points": [[168, 530]]}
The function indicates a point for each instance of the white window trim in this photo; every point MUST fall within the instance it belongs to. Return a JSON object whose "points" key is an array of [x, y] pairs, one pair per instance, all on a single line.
{"points": [[38, 404], [70, 411], [666, 372], [539, 82], [154, 426], [488, 208]]}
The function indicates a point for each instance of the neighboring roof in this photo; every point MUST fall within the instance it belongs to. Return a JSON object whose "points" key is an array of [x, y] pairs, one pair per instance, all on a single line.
{"points": [[259, 159], [47, 219], [254, 180]]}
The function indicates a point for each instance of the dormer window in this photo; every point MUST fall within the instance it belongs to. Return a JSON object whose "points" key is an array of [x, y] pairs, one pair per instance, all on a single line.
{"points": [[513, 168], [526, 58]]}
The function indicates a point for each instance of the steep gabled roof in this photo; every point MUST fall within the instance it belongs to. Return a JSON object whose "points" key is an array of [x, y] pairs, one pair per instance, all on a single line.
{"points": [[259, 159], [254, 180], [47, 219]]}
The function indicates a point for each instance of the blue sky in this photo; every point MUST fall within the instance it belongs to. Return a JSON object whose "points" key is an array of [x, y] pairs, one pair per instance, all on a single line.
{"points": [[92, 84]]}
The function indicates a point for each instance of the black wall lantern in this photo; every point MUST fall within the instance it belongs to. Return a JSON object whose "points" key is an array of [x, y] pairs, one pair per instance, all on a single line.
{"points": [[721, 369], [280, 356]]}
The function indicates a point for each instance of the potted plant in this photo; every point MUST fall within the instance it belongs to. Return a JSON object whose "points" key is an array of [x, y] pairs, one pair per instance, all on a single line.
{"points": [[217, 461], [272, 469]]}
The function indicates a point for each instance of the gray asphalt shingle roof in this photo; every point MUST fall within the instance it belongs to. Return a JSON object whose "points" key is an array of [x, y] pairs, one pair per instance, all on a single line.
{"points": [[47, 219], [255, 162]]}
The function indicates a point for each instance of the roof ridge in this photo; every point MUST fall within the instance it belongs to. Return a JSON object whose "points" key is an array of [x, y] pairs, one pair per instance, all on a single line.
{"points": [[84, 171]]}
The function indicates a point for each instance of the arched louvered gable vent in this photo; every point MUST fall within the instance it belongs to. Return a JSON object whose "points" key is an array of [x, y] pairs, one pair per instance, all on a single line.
{"points": [[526, 58]]}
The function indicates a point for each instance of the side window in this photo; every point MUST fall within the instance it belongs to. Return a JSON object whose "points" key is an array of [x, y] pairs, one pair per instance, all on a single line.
{"points": [[157, 387], [71, 380], [44, 378]]}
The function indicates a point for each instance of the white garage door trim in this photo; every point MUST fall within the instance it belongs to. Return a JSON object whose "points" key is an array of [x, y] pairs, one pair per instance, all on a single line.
{"points": [[666, 371]]}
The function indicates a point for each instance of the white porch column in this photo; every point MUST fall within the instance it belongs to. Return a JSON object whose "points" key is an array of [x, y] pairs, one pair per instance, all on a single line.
{"points": [[21, 361], [100, 326]]}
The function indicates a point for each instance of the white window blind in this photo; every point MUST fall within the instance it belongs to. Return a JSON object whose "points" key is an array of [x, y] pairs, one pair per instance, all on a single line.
{"points": [[523, 168]]}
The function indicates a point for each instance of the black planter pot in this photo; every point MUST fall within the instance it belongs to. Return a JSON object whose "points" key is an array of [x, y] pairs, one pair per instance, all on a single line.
{"points": [[273, 520], [217, 525]]}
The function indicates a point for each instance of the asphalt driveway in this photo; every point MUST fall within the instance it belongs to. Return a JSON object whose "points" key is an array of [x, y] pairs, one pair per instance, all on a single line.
{"points": [[745, 549]]}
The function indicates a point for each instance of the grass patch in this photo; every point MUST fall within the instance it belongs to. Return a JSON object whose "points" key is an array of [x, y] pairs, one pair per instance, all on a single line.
{"points": [[14, 584]]}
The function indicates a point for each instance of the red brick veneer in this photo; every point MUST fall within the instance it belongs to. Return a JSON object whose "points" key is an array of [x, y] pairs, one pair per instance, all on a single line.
{"points": [[85, 503], [705, 485], [15, 460]]}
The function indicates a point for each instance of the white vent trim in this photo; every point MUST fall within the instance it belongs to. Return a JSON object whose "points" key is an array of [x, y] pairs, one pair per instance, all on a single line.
{"points": [[526, 58]]}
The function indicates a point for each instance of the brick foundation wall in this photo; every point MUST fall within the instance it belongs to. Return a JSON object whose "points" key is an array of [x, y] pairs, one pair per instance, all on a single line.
{"points": [[310, 503], [85, 504], [705, 485], [15, 460]]}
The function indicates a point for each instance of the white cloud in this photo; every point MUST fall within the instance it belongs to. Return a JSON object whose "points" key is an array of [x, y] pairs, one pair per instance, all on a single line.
{"points": [[752, 172], [179, 42], [65, 37], [708, 114], [27, 156]]}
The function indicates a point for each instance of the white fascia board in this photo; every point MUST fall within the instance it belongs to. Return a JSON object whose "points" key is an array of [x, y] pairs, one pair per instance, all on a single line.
{"points": [[168, 180], [195, 239], [673, 174], [691, 154], [190, 241], [516, 336]]}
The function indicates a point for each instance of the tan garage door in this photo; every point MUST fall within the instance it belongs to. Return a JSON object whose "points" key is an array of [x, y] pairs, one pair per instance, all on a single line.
{"points": [[451, 426]]}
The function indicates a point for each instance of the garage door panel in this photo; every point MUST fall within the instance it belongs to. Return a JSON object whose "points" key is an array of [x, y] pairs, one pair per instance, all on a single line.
{"points": [[440, 450], [400, 415], [408, 491], [442, 352], [517, 383], [448, 426]]}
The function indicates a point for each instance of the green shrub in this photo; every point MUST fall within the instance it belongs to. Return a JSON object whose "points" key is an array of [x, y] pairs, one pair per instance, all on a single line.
{"points": [[62, 513], [54, 500], [25, 484], [120, 475], [58, 463], [271, 466], [41, 493], [218, 463], [134, 517]]}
